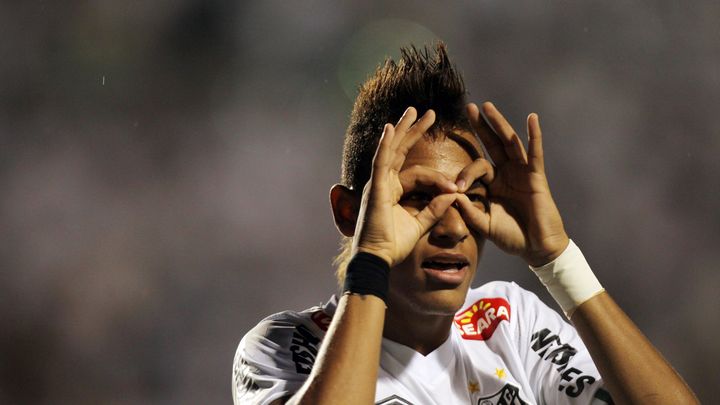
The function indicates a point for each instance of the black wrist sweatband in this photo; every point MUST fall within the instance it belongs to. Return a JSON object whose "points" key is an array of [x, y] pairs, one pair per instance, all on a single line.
{"points": [[367, 274]]}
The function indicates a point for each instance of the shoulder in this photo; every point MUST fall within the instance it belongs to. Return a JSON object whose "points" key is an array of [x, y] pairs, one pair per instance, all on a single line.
{"points": [[285, 340], [276, 356], [279, 326]]}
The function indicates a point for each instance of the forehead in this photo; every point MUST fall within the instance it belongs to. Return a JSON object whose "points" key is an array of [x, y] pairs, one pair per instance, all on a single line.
{"points": [[449, 152]]}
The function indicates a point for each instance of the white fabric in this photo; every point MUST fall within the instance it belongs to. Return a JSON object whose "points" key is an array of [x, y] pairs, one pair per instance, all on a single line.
{"points": [[506, 347], [569, 279]]}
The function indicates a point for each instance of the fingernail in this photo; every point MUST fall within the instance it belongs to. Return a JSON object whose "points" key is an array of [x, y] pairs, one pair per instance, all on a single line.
{"points": [[460, 184]]}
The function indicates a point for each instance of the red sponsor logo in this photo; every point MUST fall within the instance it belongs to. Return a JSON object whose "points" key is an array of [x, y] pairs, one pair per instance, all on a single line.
{"points": [[479, 320], [321, 319]]}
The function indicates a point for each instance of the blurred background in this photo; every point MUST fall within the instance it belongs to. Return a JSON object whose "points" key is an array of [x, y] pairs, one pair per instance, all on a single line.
{"points": [[164, 171]]}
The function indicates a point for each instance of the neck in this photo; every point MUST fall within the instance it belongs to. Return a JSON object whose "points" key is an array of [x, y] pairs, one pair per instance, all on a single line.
{"points": [[420, 332]]}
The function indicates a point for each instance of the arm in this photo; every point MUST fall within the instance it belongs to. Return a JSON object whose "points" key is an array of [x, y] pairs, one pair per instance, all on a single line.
{"points": [[633, 370], [523, 220], [348, 361], [347, 365]]}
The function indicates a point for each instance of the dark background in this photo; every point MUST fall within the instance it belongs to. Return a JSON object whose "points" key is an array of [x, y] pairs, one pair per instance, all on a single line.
{"points": [[164, 170]]}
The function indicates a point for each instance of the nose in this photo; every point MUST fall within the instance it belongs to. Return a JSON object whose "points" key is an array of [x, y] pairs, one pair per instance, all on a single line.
{"points": [[450, 229]]}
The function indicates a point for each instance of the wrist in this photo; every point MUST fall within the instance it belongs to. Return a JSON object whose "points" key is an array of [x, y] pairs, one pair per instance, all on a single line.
{"points": [[549, 255], [569, 279], [374, 252], [367, 274]]}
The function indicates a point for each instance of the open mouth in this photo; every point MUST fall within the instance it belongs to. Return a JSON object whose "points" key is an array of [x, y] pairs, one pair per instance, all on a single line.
{"points": [[446, 269], [444, 265]]}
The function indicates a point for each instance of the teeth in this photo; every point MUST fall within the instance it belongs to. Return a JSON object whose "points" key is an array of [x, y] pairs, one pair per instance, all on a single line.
{"points": [[445, 266]]}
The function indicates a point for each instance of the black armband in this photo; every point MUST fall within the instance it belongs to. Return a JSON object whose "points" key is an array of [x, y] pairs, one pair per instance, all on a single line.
{"points": [[367, 274]]}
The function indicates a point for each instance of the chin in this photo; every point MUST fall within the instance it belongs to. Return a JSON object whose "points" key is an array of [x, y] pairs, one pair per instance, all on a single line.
{"points": [[438, 303], [415, 290]]}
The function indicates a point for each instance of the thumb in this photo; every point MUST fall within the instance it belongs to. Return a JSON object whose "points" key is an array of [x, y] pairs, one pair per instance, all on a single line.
{"points": [[475, 217], [432, 213]]}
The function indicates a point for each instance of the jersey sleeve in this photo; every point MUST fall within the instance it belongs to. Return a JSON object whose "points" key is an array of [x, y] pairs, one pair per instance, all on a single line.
{"points": [[556, 360], [273, 361]]}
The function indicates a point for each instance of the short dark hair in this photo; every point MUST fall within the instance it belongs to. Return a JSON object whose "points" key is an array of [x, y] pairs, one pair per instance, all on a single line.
{"points": [[423, 78]]}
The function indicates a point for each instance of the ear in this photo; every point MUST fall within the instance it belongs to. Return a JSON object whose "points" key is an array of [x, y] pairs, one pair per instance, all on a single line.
{"points": [[345, 207]]}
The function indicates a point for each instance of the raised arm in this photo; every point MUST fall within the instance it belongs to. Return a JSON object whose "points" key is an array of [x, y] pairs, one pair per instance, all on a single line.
{"points": [[523, 220], [633, 370], [348, 361]]}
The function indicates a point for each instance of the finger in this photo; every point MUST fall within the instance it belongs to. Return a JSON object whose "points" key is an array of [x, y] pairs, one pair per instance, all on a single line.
{"points": [[424, 123], [535, 149], [407, 140], [416, 176], [476, 218], [407, 119], [479, 169], [512, 144], [432, 213], [489, 138], [383, 153]]}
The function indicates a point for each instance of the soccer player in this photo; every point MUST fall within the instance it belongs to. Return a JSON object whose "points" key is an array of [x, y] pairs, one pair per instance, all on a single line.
{"points": [[417, 202]]}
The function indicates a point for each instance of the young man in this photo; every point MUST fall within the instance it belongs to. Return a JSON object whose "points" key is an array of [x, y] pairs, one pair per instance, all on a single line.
{"points": [[418, 200]]}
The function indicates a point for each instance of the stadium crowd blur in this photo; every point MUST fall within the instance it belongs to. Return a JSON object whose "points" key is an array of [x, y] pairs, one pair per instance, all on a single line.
{"points": [[164, 169]]}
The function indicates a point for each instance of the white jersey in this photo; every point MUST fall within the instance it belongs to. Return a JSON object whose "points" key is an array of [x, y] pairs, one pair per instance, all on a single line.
{"points": [[506, 347]]}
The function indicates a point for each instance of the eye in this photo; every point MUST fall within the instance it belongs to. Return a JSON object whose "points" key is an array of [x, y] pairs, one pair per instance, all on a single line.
{"points": [[476, 197], [416, 200], [417, 197]]}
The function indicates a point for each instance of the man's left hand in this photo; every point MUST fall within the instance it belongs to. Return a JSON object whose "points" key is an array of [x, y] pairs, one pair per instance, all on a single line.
{"points": [[520, 216]]}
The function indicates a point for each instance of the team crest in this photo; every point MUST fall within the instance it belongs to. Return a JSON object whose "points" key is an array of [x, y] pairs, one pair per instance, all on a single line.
{"points": [[479, 320], [394, 400], [508, 395]]}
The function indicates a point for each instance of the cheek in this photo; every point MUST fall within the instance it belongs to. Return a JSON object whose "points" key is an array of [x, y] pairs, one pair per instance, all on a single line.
{"points": [[476, 245], [407, 267]]}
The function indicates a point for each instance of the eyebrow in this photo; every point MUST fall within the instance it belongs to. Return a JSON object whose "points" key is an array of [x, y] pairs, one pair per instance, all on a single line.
{"points": [[465, 144]]}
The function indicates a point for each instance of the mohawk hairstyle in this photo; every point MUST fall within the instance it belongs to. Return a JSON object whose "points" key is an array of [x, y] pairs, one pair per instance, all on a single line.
{"points": [[422, 78]]}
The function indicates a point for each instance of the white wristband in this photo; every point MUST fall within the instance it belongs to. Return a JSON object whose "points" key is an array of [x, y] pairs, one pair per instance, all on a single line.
{"points": [[569, 279]]}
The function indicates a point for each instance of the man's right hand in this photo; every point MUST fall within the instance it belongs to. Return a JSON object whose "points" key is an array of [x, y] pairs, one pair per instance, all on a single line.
{"points": [[384, 228]]}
